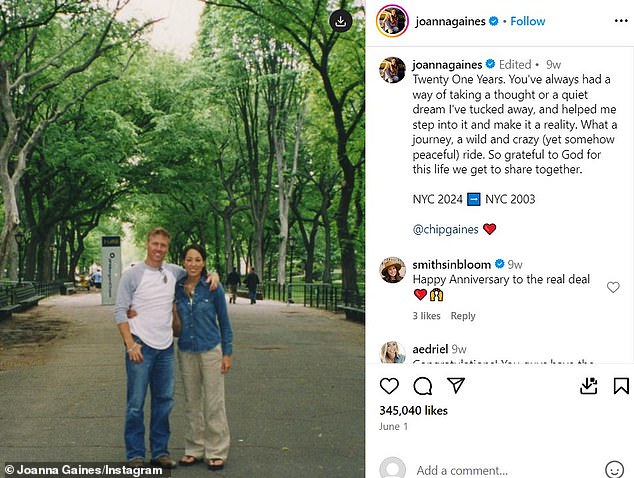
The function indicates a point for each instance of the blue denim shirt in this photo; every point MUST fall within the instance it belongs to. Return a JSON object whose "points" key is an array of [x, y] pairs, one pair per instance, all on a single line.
{"points": [[204, 319]]}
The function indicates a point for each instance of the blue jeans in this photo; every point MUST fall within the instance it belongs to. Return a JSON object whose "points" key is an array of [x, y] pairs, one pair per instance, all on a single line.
{"points": [[157, 371], [252, 295]]}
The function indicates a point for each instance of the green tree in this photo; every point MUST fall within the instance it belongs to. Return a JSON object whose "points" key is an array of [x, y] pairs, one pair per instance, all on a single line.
{"points": [[338, 61], [195, 174], [77, 173], [47, 49]]}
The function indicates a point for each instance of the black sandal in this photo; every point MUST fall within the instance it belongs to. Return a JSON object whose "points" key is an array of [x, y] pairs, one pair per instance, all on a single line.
{"points": [[188, 460], [213, 464]]}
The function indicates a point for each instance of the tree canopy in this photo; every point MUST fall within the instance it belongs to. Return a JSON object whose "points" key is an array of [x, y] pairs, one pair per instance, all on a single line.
{"points": [[251, 146]]}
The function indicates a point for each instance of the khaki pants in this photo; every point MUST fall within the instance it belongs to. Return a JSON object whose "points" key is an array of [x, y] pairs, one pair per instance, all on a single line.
{"points": [[207, 431]]}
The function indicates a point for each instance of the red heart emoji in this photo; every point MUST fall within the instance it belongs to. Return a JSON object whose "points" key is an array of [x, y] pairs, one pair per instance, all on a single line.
{"points": [[489, 228], [420, 293]]}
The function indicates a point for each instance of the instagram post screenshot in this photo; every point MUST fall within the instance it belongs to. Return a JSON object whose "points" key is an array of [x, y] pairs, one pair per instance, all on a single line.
{"points": [[182, 249], [499, 233], [264, 238]]}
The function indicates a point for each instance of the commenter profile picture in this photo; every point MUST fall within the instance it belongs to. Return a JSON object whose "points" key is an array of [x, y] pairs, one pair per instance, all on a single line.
{"points": [[392, 69], [392, 269], [392, 352]]}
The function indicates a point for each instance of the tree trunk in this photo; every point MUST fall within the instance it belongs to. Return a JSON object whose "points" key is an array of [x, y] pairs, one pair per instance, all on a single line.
{"points": [[11, 217], [327, 274], [217, 252], [74, 260], [282, 248], [346, 238], [12, 262], [286, 186], [44, 258], [228, 238], [63, 271], [258, 248], [29, 256]]}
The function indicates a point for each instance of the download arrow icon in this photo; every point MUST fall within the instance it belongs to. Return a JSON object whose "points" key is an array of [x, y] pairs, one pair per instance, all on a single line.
{"points": [[589, 387]]}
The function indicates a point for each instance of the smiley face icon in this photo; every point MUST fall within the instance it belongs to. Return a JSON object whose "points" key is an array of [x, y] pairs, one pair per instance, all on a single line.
{"points": [[614, 469]]}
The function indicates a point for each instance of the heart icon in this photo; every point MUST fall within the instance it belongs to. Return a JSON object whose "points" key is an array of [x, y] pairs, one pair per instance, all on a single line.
{"points": [[389, 385], [613, 286], [489, 228], [420, 293]]}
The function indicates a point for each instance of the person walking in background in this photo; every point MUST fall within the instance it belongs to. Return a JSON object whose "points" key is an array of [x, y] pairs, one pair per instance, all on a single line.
{"points": [[252, 280], [204, 355], [233, 280], [96, 278]]}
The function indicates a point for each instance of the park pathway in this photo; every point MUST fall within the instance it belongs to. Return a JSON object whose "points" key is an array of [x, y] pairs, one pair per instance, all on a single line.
{"points": [[295, 393]]}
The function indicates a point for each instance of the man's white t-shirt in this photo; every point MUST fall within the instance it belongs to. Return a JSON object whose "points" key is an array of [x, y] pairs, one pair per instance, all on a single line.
{"points": [[150, 292]]}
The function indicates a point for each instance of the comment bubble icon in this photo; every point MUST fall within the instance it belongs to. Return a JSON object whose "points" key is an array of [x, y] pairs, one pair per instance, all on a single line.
{"points": [[422, 386]]}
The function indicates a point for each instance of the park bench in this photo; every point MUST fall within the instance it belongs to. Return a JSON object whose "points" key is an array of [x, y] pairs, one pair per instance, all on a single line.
{"points": [[357, 313], [67, 288], [26, 296], [6, 308], [354, 311]]}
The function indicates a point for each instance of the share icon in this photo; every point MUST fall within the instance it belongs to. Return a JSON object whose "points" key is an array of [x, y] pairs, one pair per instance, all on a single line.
{"points": [[456, 382]]}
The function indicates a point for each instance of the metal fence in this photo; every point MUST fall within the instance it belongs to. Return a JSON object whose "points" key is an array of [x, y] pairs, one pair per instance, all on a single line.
{"points": [[324, 296], [48, 288], [41, 288]]}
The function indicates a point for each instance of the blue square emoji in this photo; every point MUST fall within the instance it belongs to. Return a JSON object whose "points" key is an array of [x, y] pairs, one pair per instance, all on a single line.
{"points": [[473, 199]]}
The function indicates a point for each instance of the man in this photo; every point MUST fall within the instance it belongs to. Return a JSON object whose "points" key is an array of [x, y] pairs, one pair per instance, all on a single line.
{"points": [[252, 280], [233, 280], [96, 278], [148, 289]]}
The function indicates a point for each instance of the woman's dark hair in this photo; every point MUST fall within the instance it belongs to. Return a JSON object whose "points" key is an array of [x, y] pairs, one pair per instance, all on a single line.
{"points": [[201, 251]]}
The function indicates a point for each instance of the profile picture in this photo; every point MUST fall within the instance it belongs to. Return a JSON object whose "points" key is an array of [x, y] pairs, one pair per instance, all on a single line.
{"points": [[392, 20], [392, 69], [392, 269], [392, 352]]}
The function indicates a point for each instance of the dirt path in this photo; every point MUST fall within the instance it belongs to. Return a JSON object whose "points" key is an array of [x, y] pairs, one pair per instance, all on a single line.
{"points": [[25, 337]]}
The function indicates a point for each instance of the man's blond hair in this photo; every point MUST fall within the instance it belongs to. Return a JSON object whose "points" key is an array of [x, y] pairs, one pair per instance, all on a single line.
{"points": [[158, 231]]}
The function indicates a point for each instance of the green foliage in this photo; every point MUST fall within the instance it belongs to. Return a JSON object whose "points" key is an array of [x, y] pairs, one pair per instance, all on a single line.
{"points": [[189, 144], [337, 62], [109, 226], [58, 144]]}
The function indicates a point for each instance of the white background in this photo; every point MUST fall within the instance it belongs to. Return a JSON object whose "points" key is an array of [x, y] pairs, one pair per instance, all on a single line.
{"points": [[530, 420]]}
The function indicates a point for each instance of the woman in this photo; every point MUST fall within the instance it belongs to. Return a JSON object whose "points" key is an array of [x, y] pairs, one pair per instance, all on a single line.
{"points": [[390, 271], [390, 353], [390, 72], [390, 22], [204, 352]]}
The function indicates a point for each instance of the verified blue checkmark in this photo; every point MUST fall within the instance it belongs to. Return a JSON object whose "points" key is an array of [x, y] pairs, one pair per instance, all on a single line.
{"points": [[493, 21], [490, 63]]}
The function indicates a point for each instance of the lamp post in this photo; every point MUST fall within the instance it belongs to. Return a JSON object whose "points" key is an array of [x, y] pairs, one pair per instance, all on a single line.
{"points": [[291, 243], [19, 238]]}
